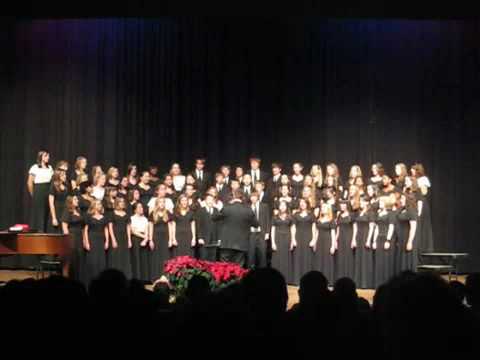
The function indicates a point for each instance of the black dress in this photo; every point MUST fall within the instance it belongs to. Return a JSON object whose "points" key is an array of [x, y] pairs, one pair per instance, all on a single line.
{"points": [[95, 261], [283, 236], [363, 255], [59, 196], [424, 231], [140, 256], [345, 255], [77, 257], [407, 260], [324, 261], [161, 252], [84, 205], [183, 234], [302, 255], [145, 196], [384, 259], [119, 258], [297, 187]]}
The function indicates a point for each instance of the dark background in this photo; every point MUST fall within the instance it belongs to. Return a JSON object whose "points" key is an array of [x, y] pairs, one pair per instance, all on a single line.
{"points": [[313, 89]]}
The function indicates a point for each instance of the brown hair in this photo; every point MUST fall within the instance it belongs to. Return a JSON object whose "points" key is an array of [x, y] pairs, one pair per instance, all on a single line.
{"points": [[178, 205], [60, 164], [118, 201], [40, 156], [56, 180], [69, 204], [419, 170]]}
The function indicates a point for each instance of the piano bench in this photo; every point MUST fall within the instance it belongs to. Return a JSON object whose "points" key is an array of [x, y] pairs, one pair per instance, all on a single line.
{"points": [[49, 265]]}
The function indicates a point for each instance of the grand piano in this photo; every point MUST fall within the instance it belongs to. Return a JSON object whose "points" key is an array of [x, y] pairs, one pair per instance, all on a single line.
{"points": [[12, 243]]}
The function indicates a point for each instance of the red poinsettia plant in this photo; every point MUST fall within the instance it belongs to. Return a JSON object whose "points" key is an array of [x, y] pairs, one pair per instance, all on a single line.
{"points": [[181, 269]]}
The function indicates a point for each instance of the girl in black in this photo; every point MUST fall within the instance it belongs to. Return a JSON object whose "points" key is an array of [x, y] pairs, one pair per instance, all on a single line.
{"points": [[296, 180], [377, 174], [56, 201], [123, 188], [113, 177], [121, 240], [183, 228], [284, 196], [345, 241], [95, 241], [161, 237], [146, 190], [382, 241], [406, 230], [72, 224], [325, 243], [303, 241], [109, 201], [132, 175], [365, 221], [281, 238], [133, 199], [85, 199]]}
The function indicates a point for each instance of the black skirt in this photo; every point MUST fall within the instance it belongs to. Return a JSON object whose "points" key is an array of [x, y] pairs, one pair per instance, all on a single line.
{"points": [[39, 212]]}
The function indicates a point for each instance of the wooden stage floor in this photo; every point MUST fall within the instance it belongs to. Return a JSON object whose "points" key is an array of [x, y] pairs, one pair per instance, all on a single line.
{"points": [[7, 275]]}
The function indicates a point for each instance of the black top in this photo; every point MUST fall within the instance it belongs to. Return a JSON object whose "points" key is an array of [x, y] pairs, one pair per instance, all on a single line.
{"points": [[96, 225]]}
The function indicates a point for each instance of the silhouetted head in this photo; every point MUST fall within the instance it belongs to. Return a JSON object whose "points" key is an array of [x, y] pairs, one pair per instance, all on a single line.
{"points": [[313, 287], [108, 288], [265, 292], [198, 288]]}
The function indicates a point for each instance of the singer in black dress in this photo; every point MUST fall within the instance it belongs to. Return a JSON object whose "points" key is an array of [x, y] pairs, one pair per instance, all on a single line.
{"points": [[72, 224], [345, 257], [95, 241], [296, 180], [145, 189], [365, 221], [85, 199], [301, 256], [119, 255], [384, 256], [57, 196], [160, 235], [324, 258], [281, 240], [184, 225], [406, 230]]}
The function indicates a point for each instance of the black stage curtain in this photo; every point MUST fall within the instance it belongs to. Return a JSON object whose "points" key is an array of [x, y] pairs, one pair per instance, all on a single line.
{"points": [[314, 90]]}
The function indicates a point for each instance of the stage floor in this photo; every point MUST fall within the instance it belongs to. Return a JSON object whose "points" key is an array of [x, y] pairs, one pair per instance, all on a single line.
{"points": [[7, 275]]}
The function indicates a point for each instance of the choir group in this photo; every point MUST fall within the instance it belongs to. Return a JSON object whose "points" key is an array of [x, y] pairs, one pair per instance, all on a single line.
{"points": [[366, 227]]}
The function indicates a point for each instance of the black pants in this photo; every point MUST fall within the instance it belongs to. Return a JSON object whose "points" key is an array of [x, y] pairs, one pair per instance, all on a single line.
{"points": [[257, 250], [233, 256]]}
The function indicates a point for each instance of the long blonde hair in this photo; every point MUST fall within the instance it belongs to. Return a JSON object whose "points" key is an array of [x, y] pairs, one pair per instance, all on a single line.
{"points": [[93, 206], [317, 174], [157, 213], [357, 169]]}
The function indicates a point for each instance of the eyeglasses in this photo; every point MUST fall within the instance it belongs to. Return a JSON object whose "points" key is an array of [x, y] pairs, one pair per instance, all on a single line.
{"points": [[62, 169]]}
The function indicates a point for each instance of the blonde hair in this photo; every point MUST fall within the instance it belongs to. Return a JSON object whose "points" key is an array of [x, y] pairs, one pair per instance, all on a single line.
{"points": [[81, 178], [110, 172], [328, 214], [316, 172], [93, 207], [158, 214], [357, 169], [118, 201], [388, 201], [97, 178]]}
